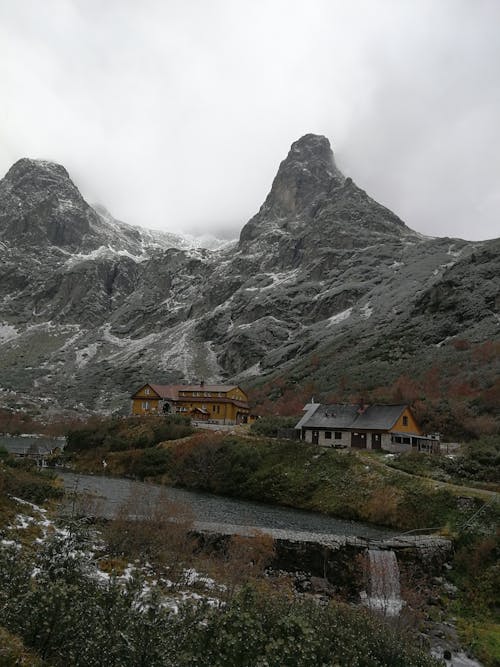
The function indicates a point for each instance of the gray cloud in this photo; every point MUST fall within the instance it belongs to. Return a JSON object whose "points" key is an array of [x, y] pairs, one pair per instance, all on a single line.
{"points": [[176, 114]]}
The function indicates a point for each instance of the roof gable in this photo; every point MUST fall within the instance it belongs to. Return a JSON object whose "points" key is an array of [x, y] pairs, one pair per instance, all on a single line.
{"points": [[152, 386]]}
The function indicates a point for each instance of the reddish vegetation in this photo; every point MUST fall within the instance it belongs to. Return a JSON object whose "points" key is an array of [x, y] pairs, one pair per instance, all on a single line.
{"points": [[459, 401]]}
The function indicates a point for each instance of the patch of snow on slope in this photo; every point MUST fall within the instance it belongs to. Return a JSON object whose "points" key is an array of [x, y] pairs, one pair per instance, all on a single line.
{"points": [[179, 353], [103, 252], [266, 318], [366, 310], [7, 332], [84, 355], [251, 371], [128, 346], [339, 317], [452, 252], [207, 241]]}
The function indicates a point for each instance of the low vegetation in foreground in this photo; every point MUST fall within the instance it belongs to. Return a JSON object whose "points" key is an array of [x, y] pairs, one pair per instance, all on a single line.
{"points": [[68, 616], [71, 594]]}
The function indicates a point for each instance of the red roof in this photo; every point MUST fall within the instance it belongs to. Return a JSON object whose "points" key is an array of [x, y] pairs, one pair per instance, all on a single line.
{"points": [[166, 390]]}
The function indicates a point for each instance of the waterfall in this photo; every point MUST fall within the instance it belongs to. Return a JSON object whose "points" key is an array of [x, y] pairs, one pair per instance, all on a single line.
{"points": [[384, 590]]}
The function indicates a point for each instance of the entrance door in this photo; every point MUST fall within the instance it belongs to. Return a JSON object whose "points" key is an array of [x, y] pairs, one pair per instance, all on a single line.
{"points": [[358, 440], [315, 437], [376, 441]]}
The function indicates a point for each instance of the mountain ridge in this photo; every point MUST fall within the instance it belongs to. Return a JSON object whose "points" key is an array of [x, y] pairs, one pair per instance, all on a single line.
{"points": [[90, 312]]}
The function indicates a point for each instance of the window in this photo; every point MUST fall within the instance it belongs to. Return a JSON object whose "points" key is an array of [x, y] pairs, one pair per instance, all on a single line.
{"points": [[146, 391], [405, 421], [338, 435], [145, 405], [328, 435]]}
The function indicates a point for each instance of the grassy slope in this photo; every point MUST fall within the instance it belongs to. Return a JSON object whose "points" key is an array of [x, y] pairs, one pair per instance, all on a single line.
{"points": [[344, 484]]}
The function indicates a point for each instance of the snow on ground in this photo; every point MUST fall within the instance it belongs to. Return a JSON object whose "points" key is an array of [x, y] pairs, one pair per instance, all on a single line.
{"points": [[84, 355], [266, 318], [94, 553], [251, 371], [179, 354], [129, 346], [103, 252], [366, 310], [339, 317], [276, 280], [7, 332]]}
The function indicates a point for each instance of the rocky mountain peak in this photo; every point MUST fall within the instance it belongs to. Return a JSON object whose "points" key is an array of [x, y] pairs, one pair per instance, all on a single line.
{"points": [[310, 199], [311, 149], [307, 173], [40, 205], [27, 172]]}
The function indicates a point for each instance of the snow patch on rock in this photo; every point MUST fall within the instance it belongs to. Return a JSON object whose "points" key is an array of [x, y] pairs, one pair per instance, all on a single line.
{"points": [[339, 317]]}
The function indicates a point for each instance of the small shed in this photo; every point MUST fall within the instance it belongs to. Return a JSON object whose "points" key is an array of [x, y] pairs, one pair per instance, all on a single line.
{"points": [[35, 447]]}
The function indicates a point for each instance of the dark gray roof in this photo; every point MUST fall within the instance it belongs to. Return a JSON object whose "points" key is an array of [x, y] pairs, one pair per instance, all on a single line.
{"points": [[340, 415], [21, 445]]}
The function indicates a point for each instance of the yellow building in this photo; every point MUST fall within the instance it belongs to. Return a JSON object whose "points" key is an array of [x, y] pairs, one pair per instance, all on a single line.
{"points": [[216, 403]]}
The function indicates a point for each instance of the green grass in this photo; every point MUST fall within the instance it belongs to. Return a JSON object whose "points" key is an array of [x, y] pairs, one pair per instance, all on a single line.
{"points": [[482, 638]]}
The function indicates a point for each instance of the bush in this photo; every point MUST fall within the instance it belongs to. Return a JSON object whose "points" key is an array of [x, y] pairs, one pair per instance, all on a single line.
{"points": [[71, 617], [152, 462], [269, 426], [258, 629], [129, 433], [34, 486]]}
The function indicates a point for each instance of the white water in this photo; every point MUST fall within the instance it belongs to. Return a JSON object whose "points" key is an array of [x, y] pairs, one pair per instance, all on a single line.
{"points": [[384, 588]]}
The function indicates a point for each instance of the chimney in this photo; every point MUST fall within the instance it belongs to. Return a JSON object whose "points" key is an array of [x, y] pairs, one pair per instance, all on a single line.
{"points": [[362, 406], [202, 383]]}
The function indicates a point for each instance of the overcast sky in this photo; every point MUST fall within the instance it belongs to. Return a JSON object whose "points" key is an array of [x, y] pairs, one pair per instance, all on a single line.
{"points": [[176, 114]]}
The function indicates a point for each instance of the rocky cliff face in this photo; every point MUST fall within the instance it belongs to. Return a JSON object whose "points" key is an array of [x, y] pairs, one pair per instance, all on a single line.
{"points": [[90, 307]]}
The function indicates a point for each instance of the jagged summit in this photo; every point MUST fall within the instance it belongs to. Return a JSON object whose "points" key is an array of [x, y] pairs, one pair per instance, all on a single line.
{"points": [[311, 146], [40, 205], [41, 170], [310, 195], [308, 172], [311, 150]]}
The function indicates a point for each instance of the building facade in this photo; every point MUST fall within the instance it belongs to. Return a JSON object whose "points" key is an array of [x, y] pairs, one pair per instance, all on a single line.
{"points": [[219, 404], [392, 428]]}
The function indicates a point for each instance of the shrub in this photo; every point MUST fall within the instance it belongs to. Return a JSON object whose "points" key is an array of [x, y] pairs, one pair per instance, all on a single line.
{"points": [[69, 616], [152, 462], [129, 433], [269, 426]]}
